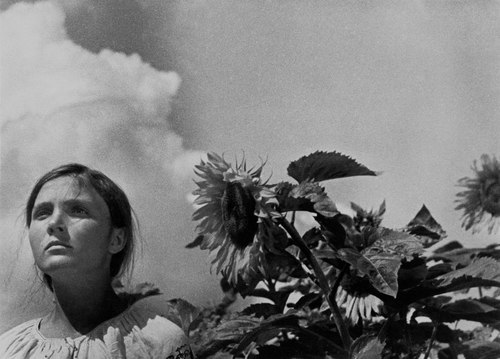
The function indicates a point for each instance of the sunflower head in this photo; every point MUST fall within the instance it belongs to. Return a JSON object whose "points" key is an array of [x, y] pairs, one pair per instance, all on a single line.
{"points": [[232, 202], [237, 210], [480, 201], [357, 303]]}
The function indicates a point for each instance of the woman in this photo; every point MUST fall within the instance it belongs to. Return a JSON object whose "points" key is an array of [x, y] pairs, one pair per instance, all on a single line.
{"points": [[81, 234]]}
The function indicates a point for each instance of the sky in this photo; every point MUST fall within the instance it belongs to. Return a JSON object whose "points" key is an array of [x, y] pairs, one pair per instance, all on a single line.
{"points": [[140, 89]]}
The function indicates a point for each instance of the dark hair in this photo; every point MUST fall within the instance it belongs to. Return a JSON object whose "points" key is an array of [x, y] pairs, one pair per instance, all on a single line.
{"points": [[120, 211]]}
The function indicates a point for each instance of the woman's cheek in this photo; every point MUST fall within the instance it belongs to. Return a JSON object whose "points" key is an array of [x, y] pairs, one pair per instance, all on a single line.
{"points": [[36, 240]]}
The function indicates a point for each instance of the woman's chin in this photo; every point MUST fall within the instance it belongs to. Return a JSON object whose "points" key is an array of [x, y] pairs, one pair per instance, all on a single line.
{"points": [[55, 263]]}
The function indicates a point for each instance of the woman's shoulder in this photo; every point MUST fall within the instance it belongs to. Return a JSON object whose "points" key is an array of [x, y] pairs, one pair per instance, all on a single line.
{"points": [[19, 336], [150, 327], [19, 329]]}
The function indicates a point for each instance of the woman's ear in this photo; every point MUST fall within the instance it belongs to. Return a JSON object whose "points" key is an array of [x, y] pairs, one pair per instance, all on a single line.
{"points": [[118, 241]]}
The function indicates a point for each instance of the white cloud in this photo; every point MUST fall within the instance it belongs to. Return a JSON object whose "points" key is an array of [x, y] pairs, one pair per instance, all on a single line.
{"points": [[61, 103]]}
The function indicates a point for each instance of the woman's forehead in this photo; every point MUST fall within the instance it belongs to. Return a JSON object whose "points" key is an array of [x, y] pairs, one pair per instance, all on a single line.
{"points": [[69, 188]]}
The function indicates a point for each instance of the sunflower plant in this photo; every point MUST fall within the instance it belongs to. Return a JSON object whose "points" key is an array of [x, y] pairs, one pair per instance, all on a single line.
{"points": [[347, 287], [480, 200]]}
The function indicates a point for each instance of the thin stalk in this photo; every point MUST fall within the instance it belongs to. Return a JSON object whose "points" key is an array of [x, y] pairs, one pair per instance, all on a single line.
{"points": [[433, 336], [322, 281], [407, 335]]}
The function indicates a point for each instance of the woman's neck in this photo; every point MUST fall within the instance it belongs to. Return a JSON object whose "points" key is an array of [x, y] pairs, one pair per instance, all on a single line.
{"points": [[80, 306]]}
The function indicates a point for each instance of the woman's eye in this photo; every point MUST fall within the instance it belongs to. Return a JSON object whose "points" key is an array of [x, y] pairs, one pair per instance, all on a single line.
{"points": [[79, 211], [41, 214]]}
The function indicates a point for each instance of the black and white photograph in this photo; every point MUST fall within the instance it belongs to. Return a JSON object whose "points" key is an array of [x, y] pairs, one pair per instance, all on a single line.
{"points": [[250, 179]]}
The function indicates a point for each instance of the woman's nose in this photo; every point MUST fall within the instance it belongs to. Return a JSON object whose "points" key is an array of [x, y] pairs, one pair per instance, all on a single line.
{"points": [[56, 224]]}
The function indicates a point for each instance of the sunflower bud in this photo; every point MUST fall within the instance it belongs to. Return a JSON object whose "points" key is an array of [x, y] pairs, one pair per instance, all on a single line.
{"points": [[238, 207]]}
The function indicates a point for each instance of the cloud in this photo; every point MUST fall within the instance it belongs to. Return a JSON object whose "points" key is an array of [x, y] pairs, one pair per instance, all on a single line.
{"points": [[61, 91], [62, 103]]}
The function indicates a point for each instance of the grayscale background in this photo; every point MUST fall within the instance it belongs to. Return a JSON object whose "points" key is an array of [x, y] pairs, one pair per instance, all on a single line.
{"points": [[140, 89]]}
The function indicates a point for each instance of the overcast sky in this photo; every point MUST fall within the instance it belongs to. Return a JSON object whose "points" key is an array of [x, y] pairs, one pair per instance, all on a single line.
{"points": [[140, 89]]}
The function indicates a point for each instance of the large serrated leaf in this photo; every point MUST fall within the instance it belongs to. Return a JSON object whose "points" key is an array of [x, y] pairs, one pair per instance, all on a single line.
{"points": [[234, 330], [305, 348], [482, 272], [281, 266], [482, 350], [135, 292], [426, 226], [367, 347], [260, 310], [186, 312], [477, 310], [403, 244], [275, 325], [311, 300], [462, 257], [322, 166], [412, 273], [316, 194], [381, 268], [481, 268], [287, 203], [267, 330]]}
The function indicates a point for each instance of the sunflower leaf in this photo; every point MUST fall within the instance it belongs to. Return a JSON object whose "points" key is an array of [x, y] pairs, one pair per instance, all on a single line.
{"points": [[403, 244], [267, 330], [185, 312], [412, 273], [464, 256], [380, 268], [312, 300], [276, 324], [481, 268], [484, 310], [366, 347], [424, 225], [235, 329], [482, 272], [282, 266], [321, 166], [288, 203], [316, 194], [482, 350], [261, 310]]}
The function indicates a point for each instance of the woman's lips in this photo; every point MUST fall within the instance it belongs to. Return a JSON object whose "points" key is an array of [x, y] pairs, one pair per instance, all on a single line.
{"points": [[57, 244]]}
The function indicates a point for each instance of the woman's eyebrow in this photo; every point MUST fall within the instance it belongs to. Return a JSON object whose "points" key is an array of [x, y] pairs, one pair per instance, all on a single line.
{"points": [[41, 205], [68, 202], [78, 200]]}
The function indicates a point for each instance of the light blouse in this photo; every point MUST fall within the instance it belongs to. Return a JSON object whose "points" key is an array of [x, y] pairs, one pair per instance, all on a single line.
{"points": [[141, 331]]}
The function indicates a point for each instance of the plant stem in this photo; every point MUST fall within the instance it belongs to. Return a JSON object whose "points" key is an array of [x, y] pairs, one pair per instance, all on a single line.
{"points": [[433, 336], [323, 283], [402, 314]]}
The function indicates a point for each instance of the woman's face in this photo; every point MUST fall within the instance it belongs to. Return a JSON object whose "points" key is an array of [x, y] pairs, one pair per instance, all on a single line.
{"points": [[70, 229]]}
